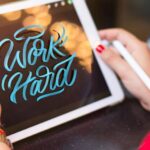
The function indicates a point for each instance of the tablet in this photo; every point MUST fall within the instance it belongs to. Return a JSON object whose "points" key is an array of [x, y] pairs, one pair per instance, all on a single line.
{"points": [[50, 72]]}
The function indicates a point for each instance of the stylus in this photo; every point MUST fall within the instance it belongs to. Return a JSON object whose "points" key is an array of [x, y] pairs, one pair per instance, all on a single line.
{"points": [[132, 62]]}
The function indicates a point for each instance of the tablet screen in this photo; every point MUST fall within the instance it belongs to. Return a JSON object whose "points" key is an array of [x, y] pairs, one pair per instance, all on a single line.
{"points": [[47, 65]]}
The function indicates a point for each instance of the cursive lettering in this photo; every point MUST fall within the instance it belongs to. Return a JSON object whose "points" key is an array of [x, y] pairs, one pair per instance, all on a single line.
{"points": [[45, 82]]}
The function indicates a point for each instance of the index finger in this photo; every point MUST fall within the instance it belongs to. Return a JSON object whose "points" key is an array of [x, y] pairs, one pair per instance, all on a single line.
{"points": [[123, 36]]}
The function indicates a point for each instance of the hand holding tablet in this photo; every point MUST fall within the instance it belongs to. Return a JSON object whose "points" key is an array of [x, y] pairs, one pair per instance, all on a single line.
{"points": [[134, 65], [130, 60], [134, 68]]}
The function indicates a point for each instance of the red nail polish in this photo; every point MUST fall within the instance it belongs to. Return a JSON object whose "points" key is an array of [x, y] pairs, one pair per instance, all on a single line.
{"points": [[100, 48]]}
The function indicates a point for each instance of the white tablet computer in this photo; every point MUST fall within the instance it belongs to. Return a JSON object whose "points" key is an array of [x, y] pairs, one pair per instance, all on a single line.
{"points": [[49, 70]]}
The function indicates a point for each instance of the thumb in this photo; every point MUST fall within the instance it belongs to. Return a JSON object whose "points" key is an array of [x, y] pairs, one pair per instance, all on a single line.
{"points": [[114, 61]]}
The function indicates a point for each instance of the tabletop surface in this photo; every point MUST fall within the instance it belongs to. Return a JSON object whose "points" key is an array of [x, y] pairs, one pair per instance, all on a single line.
{"points": [[121, 127]]}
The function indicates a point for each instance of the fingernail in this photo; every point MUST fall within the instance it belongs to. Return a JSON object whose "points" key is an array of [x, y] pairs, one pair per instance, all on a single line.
{"points": [[100, 48]]}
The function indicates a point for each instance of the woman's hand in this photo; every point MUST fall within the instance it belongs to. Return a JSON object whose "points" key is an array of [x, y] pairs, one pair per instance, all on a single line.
{"points": [[139, 51], [3, 146]]}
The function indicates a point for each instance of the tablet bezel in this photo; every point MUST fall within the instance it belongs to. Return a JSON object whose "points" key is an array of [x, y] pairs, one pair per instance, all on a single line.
{"points": [[110, 78]]}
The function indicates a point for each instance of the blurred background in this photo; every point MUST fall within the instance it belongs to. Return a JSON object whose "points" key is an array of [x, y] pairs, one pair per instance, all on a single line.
{"points": [[133, 15]]}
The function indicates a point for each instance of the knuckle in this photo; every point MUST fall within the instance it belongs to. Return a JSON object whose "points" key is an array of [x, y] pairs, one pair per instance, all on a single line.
{"points": [[108, 56]]}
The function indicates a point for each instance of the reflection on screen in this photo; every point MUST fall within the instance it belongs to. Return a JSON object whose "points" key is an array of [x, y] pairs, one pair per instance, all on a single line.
{"points": [[87, 84]]}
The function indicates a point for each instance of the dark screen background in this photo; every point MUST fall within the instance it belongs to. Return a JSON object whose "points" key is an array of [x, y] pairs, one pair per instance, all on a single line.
{"points": [[88, 88]]}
